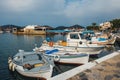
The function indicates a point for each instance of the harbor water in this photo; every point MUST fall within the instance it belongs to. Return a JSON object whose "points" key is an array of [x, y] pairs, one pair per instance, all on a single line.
{"points": [[10, 44]]}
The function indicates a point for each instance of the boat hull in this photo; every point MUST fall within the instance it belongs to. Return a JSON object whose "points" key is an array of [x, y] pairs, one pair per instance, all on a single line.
{"points": [[88, 50], [73, 59], [68, 57], [43, 75]]}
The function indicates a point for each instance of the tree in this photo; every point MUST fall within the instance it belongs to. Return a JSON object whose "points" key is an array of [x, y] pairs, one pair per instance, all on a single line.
{"points": [[116, 23], [93, 26]]}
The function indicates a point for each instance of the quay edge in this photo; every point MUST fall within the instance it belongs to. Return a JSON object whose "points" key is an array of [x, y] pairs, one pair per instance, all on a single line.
{"points": [[71, 73]]}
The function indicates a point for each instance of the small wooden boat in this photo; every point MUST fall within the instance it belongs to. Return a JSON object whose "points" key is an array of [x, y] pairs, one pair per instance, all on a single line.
{"points": [[31, 64], [68, 57]]}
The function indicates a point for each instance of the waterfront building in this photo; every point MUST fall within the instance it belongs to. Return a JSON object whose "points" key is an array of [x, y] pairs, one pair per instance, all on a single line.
{"points": [[31, 30]]}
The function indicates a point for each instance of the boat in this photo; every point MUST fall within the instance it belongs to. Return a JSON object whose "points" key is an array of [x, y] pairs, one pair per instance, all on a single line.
{"points": [[75, 41], [31, 64], [67, 57], [104, 39], [101, 38]]}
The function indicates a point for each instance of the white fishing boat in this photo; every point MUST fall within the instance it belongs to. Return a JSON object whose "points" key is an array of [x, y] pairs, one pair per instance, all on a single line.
{"points": [[31, 64], [104, 39], [100, 38], [68, 57], [75, 41]]}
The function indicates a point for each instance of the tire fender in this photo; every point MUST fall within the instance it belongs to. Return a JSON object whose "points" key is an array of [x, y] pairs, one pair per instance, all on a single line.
{"points": [[56, 57]]}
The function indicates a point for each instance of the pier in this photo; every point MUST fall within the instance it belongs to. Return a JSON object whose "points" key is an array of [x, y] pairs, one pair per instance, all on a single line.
{"points": [[104, 68]]}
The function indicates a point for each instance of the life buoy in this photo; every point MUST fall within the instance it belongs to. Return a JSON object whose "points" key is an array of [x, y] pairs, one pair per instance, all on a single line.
{"points": [[56, 57], [51, 44]]}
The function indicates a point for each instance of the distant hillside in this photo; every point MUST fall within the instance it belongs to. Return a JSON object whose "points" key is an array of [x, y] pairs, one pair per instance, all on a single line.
{"points": [[76, 26], [3, 27], [60, 28], [70, 27]]}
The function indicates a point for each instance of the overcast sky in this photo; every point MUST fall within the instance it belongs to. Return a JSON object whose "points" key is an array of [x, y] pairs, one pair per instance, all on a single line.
{"points": [[58, 12]]}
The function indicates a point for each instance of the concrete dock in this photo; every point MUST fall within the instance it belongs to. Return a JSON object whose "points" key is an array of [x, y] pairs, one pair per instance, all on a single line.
{"points": [[105, 68]]}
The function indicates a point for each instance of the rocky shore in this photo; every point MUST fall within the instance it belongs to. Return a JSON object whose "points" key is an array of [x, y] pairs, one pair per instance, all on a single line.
{"points": [[107, 70]]}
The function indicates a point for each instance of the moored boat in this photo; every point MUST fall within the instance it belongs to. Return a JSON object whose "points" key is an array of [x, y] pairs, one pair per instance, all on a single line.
{"points": [[104, 39], [31, 64], [100, 38], [74, 42], [68, 57]]}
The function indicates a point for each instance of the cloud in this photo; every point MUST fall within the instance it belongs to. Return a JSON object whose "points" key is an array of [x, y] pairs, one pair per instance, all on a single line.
{"points": [[86, 7], [17, 5], [94, 7], [73, 8], [32, 5], [59, 12], [92, 10]]}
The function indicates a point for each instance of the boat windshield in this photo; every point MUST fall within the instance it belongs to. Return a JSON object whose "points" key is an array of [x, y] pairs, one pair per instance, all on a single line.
{"points": [[74, 36], [82, 36]]}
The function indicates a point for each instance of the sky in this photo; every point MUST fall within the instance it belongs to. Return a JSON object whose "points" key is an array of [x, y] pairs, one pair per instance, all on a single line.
{"points": [[58, 12]]}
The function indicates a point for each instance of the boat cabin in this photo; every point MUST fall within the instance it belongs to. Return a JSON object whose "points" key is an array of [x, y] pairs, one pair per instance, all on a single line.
{"points": [[75, 39]]}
